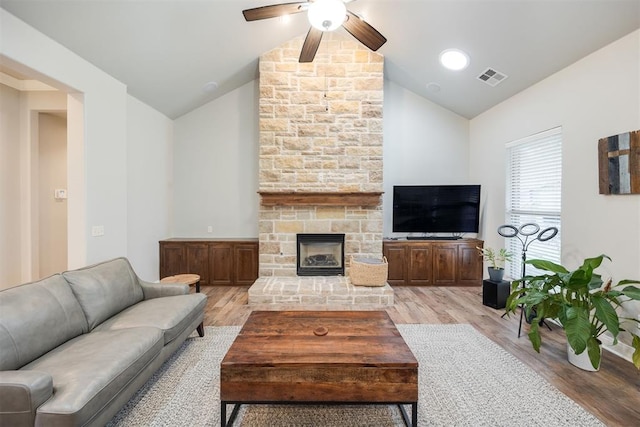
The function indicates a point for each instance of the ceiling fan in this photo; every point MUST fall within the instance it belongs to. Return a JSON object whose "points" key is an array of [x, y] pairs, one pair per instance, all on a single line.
{"points": [[324, 15]]}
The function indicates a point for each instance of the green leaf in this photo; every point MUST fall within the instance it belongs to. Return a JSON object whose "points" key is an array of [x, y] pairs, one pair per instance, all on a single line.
{"points": [[631, 292], [613, 294], [534, 334], [636, 354], [542, 264], [595, 352], [596, 282], [533, 298], [513, 300], [593, 263], [606, 314], [578, 280], [577, 327], [628, 282]]}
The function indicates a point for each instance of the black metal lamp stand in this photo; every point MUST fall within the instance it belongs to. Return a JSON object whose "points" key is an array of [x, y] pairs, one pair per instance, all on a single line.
{"points": [[527, 230]]}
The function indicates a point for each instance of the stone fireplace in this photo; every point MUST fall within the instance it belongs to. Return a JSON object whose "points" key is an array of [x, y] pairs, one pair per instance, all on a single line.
{"points": [[320, 165]]}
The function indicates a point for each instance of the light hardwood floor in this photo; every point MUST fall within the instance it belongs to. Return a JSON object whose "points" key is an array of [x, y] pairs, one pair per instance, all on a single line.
{"points": [[612, 394]]}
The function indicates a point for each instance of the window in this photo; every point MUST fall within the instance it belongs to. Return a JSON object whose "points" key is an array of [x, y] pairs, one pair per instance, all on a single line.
{"points": [[534, 178]]}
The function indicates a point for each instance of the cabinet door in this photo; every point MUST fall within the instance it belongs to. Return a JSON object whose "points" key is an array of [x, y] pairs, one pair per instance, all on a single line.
{"points": [[469, 265], [245, 263], [444, 264], [420, 271], [198, 261], [397, 260], [221, 264], [172, 259]]}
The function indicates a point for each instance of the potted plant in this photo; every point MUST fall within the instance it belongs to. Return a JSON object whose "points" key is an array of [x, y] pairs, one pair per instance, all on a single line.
{"points": [[496, 261], [580, 301]]}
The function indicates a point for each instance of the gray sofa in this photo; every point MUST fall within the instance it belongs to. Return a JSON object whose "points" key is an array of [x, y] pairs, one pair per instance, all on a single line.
{"points": [[74, 347]]}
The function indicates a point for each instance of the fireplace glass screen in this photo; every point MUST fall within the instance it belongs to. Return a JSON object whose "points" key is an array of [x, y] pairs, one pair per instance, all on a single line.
{"points": [[320, 255]]}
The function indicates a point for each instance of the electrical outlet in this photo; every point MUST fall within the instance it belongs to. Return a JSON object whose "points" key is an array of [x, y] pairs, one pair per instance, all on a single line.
{"points": [[97, 230], [210, 229]]}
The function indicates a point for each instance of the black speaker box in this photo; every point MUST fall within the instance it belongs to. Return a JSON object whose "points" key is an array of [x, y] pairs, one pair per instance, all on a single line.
{"points": [[494, 294]]}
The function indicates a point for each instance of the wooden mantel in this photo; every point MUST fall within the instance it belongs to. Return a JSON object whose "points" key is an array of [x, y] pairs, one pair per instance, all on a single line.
{"points": [[299, 198]]}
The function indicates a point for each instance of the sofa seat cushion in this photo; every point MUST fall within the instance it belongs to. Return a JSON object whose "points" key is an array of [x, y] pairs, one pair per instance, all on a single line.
{"points": [[171, 314], [90, 370]]}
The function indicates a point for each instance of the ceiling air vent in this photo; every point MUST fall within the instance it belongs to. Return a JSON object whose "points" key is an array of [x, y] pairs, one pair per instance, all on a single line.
{"points": [[492, 77]]}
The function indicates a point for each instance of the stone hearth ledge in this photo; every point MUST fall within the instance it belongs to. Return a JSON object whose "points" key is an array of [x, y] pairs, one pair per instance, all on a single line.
{"points": [[314, 292]]}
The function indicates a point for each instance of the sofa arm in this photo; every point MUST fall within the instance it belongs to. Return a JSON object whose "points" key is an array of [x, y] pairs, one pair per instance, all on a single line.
{"points": [[21, 393], [157, 290]]}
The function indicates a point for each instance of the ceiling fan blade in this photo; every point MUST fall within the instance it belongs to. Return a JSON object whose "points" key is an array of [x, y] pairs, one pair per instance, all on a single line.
{"points": [[365, 33], [310, 46], [274, 10]]}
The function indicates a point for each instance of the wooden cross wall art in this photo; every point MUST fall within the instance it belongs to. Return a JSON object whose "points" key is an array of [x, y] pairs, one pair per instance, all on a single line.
{"points": [[619, 163]]}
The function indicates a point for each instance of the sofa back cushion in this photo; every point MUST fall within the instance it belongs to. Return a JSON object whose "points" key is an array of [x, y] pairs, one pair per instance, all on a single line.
{"points": [[105, 289], [36, 318]]}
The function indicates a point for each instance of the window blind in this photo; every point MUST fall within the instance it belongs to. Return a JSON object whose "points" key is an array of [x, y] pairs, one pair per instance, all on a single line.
{"points": [[534, 195]]}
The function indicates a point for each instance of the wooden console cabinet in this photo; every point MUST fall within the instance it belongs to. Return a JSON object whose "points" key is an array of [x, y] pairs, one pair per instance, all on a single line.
{"points": [[434, 262], [217, 261]]}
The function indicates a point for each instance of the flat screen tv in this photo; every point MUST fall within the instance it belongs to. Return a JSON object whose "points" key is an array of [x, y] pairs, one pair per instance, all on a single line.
{"points": [[436, 208]]}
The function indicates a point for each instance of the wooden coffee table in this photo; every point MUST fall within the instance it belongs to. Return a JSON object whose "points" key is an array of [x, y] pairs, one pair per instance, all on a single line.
{"points": [[313, 357]]}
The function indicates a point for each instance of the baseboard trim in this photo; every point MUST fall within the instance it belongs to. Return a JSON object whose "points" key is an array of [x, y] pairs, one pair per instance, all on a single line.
{"points": [[621, 349]]}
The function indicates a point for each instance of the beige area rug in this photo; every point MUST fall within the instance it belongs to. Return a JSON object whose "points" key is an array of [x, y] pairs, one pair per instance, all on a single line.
{"points": [[465, 379]]}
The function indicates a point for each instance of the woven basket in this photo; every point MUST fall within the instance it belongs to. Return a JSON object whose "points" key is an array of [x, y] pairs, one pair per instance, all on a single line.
{"points": [[368, 272]]}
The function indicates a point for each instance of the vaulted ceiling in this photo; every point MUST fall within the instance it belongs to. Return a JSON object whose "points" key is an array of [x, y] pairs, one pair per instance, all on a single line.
{"points": [[166, 51]]}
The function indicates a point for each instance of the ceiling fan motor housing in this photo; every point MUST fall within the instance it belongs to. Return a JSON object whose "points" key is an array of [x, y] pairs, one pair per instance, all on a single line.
{"points": [[327, 15]]}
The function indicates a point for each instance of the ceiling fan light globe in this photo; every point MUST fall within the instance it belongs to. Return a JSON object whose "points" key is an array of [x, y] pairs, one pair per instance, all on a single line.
{"points": [[327, 15]]}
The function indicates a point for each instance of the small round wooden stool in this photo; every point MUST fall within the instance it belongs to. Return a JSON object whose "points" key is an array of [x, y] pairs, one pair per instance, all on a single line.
{"points": [[187, 279]]}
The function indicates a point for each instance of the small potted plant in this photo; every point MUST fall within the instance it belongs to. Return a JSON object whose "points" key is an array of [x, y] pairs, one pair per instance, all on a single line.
{"points": [[581, 302], [496, 259]]}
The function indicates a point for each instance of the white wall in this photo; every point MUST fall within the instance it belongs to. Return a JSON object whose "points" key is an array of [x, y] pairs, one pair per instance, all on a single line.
{"points": [[215, 158], [216, 168], [596, 97], [424, 144], [52, 212], [149, 182], [31, 104], [10, 243], [105, 106], [21, 205]]}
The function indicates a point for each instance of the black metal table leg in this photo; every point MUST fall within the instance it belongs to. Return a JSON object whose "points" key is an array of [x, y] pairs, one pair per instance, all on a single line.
{"points": [[413, 422], [232, 417], [414, 415]]}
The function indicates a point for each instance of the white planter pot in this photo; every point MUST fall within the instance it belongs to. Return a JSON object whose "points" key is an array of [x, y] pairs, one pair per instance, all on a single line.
{"points": [[581, 360]]}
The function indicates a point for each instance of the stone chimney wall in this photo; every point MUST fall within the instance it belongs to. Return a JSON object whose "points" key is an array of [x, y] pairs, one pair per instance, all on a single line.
{"points": [[320, 131]]}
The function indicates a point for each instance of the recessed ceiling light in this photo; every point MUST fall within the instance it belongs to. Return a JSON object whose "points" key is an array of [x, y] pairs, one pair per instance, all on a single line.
{"points": [[210, 87], [454, 59]]}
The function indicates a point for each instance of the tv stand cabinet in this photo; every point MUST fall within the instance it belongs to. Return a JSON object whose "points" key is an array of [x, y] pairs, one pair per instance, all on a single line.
{"points": [[434, 263]]}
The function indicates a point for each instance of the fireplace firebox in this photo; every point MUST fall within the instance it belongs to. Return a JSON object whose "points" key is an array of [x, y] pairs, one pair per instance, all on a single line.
{"points": [[320, 254]]}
